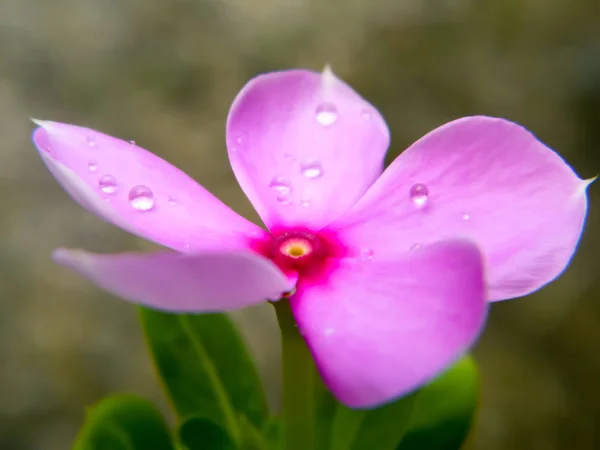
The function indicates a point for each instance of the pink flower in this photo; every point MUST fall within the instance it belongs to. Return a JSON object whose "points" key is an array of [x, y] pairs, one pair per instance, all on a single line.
{"points": [[387, 269]]}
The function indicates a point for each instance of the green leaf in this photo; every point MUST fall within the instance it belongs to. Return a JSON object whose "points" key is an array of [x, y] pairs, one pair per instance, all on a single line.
{"points": [[345, 426], [124, 422], [205, 368], [437, 417], [252, 439], [273, 434], [445, 410], [199, 433], [325, 408], [383, 428], [380, 428]]}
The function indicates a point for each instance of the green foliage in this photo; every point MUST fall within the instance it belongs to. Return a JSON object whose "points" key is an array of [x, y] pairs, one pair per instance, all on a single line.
{"points": [[124, 422], [205, 368], [215, 390], [273, 434], [197, 433], [437, 417], [325, 412], [445, 410]]}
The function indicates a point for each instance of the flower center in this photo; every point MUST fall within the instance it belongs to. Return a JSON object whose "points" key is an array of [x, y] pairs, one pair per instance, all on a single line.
{"points": [[296, 247], [308, 254]]}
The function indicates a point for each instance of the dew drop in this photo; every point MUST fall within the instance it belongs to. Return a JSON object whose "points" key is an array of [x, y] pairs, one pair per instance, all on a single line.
{"points": [[172, 200], [415, 247], [305, 202], [239, 140], [281, 185], [466, 216], [91, 142], [419, 195], [92, 166], [366, 254], [108, 184], [328, 331], [284, 199], [327, 114], [283, 189], [312, 170], [132, 142], [366, 114], [141, 198]]}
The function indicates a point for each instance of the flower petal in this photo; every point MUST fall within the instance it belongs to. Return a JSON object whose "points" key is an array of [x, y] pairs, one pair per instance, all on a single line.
{"points": [[137, 191], [380, 329], [207, 282], [484, 179], [304, 146]]}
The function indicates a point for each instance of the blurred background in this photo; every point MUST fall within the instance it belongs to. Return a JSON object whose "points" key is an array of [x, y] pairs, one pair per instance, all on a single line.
{"points": [[164, 72]]}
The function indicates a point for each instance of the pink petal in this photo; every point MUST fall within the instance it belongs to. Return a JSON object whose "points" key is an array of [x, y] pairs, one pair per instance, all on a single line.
{"points": [[137, 191], [207, 282], [487, 180], [304, 146], [381, 328]]}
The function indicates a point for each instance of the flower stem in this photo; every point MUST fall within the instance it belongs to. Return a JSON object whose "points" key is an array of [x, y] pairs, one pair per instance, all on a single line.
{"points": [[298, 377]]}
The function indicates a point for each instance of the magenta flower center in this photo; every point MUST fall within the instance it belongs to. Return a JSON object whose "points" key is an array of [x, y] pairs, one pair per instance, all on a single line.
{"points": [[309, 254]]}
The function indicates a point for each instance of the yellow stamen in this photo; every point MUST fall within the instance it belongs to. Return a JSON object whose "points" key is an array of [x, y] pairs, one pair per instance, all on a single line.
{"points": [[295, 248]]}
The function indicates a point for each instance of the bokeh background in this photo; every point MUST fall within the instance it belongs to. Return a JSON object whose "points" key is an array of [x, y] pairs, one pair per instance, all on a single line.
{"points": [[164, 72]]}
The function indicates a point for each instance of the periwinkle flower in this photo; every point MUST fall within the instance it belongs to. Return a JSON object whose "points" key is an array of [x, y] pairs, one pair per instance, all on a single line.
{"points": [[388, 274]]}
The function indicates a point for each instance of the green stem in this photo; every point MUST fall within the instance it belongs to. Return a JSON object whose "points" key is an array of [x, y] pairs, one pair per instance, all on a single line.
{"points": [[298, 378]]}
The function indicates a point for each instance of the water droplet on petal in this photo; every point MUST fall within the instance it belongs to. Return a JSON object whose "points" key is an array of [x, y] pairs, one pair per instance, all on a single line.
{"points": [[92, 166], [281, 185], [305, 202], [108, 184], [419, 195], [366, 254], [172, 200], [327, 114], [141, 198], [132, 142], [415, 247], [91, 142], [366, 114], [289, 156], [239, 140], [312, 170], [466, 216], [284, 199], [328, 331]]}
